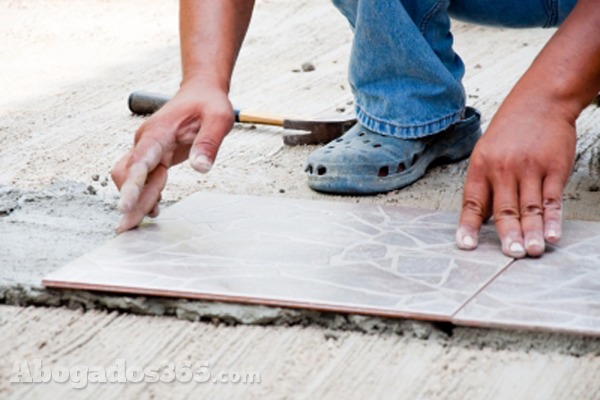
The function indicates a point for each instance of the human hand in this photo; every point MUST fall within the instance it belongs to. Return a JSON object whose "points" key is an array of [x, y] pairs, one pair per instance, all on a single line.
{"points": [[517, 174], [190, 126]]}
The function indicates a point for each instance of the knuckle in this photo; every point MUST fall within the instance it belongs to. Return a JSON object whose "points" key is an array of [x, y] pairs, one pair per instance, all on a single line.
{"points": [[552, 203], [503, 167], [505, 211], [474, 206], [531, 210], [209, 144], [479, 159], [528, 165], [222, 116]]}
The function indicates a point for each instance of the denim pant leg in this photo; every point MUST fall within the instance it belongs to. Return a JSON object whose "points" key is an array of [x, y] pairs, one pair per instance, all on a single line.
{"points": [[405, 77], [512, 13], [404, 74]]}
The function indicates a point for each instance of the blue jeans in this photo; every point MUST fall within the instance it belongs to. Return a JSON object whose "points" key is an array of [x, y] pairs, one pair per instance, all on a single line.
{"points": [[405, 76]]}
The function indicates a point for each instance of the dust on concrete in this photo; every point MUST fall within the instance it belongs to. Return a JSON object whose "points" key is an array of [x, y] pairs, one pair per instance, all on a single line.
{"points": [[43, 230]]}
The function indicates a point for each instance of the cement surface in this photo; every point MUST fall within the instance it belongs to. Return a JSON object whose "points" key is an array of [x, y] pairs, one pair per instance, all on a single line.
{"points": [[66, 71], [416, 362]]}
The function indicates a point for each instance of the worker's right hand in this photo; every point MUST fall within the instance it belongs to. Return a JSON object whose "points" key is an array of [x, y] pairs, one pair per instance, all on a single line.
{"points": [[190, 126]]}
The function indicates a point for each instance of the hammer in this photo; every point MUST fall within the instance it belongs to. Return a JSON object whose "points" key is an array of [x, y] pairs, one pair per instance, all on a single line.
{"points": [[317, 130]]}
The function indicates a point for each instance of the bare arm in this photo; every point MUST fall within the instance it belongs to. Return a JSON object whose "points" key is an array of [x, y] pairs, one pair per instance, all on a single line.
{"points": [[193, 124], [520, 167], [567, 70], [211, 34]]}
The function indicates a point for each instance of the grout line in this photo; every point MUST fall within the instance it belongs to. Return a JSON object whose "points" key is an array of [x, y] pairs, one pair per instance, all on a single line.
{"points": [[488, 283]]}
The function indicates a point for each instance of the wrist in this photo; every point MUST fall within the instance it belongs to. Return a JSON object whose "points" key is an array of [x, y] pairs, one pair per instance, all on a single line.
{"points": [[547, 99], [205, 81]]}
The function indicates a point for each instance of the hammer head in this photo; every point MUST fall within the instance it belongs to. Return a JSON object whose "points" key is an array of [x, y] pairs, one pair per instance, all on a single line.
{"points": [[318, 131]]}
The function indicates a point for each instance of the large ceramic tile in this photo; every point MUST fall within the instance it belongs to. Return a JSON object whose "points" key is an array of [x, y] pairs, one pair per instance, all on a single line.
{"points": [[560, 291], [312, 254]]}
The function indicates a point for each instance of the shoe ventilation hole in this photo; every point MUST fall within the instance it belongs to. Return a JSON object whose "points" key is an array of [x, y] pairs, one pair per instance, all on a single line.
{"points": [[414, 159], [361, 134], [384, 171], [309, 169], [401, 168], [339, 140], [321, 170], [377, 145]]}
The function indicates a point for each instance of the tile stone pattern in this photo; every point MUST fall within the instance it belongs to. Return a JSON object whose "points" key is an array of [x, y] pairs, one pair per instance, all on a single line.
{"points": [[371, 259], [559, 292]]}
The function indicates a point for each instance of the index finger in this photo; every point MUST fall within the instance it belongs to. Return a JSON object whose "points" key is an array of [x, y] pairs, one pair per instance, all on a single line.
{"points": [[145, 157], [475, 210]]}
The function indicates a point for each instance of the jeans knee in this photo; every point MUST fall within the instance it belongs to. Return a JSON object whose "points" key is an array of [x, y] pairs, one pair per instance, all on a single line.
{"points": [[348, 9]]}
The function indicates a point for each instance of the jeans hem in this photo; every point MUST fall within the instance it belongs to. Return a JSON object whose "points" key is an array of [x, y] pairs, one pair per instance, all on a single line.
{"points": [[407, 131]]}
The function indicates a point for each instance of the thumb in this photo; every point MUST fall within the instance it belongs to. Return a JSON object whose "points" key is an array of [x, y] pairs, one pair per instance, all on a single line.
{"points": [[214, 128]]}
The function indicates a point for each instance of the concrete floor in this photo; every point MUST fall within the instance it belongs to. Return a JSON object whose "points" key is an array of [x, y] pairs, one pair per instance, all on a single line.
{"points": [[67, 69]]}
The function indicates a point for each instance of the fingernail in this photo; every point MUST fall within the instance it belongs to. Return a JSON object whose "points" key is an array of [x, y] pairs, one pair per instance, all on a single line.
{"points": [[468, 241], [465, 240], [516, 249], [552, 234], [201, 163], [533, 243]]}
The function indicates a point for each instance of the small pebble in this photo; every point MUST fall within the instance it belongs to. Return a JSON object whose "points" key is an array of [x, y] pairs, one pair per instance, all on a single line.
{"points": [[308, 66], [95, 177], [103, 183], [251, 127], [594, 188], [296, 70], [91, 190], [331, 335], [281, 190]]}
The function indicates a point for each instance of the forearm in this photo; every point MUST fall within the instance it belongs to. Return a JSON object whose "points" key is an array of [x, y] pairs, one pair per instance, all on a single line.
{"points": [[567, 70], [211, 34]]}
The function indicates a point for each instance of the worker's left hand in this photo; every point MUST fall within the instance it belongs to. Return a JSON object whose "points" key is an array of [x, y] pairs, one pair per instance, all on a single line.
{"points": [[517, 174]]}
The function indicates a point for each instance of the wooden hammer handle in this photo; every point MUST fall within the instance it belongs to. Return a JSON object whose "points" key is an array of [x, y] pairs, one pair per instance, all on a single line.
{"points": [[145, 103]]}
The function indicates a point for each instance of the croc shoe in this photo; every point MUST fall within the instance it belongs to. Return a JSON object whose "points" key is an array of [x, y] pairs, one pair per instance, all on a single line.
{"points": [[365, 162]]}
